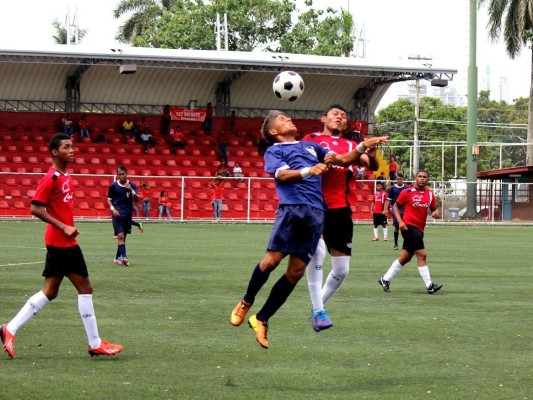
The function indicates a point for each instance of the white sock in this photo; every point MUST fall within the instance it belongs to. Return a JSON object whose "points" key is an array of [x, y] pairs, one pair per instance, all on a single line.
{"points": [[32, 306], [376, 232], [86, 308], [424, 273], [385, 230], [340, 266], [315, 275], [393, 270]]}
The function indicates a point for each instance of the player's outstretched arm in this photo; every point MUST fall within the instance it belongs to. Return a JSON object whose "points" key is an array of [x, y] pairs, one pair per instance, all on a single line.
{"points": [[354, 155]]}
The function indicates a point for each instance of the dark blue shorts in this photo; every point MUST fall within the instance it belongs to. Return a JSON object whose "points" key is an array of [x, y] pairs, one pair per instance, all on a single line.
{"points": [[413, 239], [61, 261], [296, 231], [121, 224]]}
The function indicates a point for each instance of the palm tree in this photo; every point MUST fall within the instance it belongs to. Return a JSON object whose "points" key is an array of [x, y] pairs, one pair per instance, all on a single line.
{"points": [[61, 33], [145, 13], [515, 19]]}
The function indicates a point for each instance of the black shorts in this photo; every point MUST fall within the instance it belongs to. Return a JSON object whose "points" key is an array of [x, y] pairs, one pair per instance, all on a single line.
{"points": [[379, 219], [413, 239], [122, 224], [338, 229], [62, 261]]}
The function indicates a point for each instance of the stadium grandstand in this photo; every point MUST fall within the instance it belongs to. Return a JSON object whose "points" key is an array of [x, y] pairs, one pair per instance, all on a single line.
{"points": [[108, 86]]}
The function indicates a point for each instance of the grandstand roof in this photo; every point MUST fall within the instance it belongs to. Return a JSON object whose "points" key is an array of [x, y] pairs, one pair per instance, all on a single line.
{"points": [[175, 77]]}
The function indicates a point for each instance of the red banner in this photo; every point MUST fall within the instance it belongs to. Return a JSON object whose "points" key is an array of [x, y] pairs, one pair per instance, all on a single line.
{"points": [[187, 114]]}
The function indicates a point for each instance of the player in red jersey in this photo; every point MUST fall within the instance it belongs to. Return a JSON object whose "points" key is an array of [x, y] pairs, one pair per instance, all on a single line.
{"points": [[52, 204], [337, 186], [379, 212], [416, 201]]}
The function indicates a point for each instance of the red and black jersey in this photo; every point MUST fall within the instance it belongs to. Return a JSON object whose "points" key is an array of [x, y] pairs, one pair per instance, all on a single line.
{"points": [[55, 191], [416, 204], [337, 183], [378, 202]]}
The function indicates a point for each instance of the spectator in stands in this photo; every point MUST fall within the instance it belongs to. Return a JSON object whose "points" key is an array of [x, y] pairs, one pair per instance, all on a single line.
{"points": [[217, 195], [382, 179], [177, 139], [393, 168], [128, 128], [164, 205], [84, 127], [208, 121], [262, 145], [165, 120], [147, 140], [222, 171], [237, 172], [232, 120], [141, 127], [223, 143], [145, 195], [66, 122], [361, 172]]}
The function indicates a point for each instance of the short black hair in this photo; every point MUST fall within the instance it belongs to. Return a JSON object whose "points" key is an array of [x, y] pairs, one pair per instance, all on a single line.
{"points": [[56, 140], [400, 175], [122, 169], [331, 107], [265, 128]]}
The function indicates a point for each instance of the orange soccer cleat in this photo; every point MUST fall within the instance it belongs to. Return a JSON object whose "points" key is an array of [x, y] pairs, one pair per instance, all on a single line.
{"points": [[239, 313], [260, 328], [8, 339], [106, 349]]}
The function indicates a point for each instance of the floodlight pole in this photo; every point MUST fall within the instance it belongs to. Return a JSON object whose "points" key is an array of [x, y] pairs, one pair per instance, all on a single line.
{"points": [[471, 140]]}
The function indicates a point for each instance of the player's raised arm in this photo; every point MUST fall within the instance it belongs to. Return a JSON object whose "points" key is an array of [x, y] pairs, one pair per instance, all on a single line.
{"points": [[354, 155]]}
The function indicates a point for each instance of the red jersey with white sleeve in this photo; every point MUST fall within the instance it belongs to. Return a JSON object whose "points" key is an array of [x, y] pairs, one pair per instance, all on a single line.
{"points": [[336, 187], [55, 191], [416, 204], [379, 201]]}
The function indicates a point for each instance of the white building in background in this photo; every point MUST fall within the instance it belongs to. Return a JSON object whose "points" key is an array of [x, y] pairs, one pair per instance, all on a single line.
{"points": [[503, 90]]}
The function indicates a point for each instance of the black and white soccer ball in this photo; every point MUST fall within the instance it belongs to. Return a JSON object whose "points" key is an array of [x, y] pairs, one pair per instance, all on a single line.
{"points": [[288, 86]]}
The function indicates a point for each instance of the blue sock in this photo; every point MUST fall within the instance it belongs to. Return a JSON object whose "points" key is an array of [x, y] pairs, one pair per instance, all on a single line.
{"points": [[122, 249], [257, 281], [278, 295]]}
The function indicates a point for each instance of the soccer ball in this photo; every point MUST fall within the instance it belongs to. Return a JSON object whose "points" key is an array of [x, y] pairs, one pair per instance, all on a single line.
{"points": [[288, 86]]}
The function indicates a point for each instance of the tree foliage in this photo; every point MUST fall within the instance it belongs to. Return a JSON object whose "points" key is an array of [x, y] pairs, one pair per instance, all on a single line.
{"points": [[320, 33], [190, 24]]}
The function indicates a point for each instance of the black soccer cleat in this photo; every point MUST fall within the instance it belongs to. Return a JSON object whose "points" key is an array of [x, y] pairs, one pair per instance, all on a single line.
{"points": [[385, 284], [434, 288]]}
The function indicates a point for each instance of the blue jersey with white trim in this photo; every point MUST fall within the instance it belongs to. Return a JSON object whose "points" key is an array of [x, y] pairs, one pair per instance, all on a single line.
{"points": [[295, 156], [122, 198]]}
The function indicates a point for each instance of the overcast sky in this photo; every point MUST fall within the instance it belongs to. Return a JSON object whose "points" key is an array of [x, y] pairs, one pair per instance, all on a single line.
{"points": [[392, 28]]}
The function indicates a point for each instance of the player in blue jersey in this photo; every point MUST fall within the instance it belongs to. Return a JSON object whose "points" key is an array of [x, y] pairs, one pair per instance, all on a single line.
{"points": [[392, 195], [296, 167], [121, 195]]}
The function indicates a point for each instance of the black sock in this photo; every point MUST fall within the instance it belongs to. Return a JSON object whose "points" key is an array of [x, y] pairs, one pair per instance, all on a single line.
{"points": [[257, 280], [396, 235], [278, 295]]}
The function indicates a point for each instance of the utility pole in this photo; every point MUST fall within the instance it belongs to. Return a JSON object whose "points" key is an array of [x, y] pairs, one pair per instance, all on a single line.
{"points": [[471, 139], [416, 156]]}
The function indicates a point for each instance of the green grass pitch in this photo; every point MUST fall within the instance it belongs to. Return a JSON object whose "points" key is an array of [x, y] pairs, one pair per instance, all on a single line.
{"points": [[472, 340]]}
